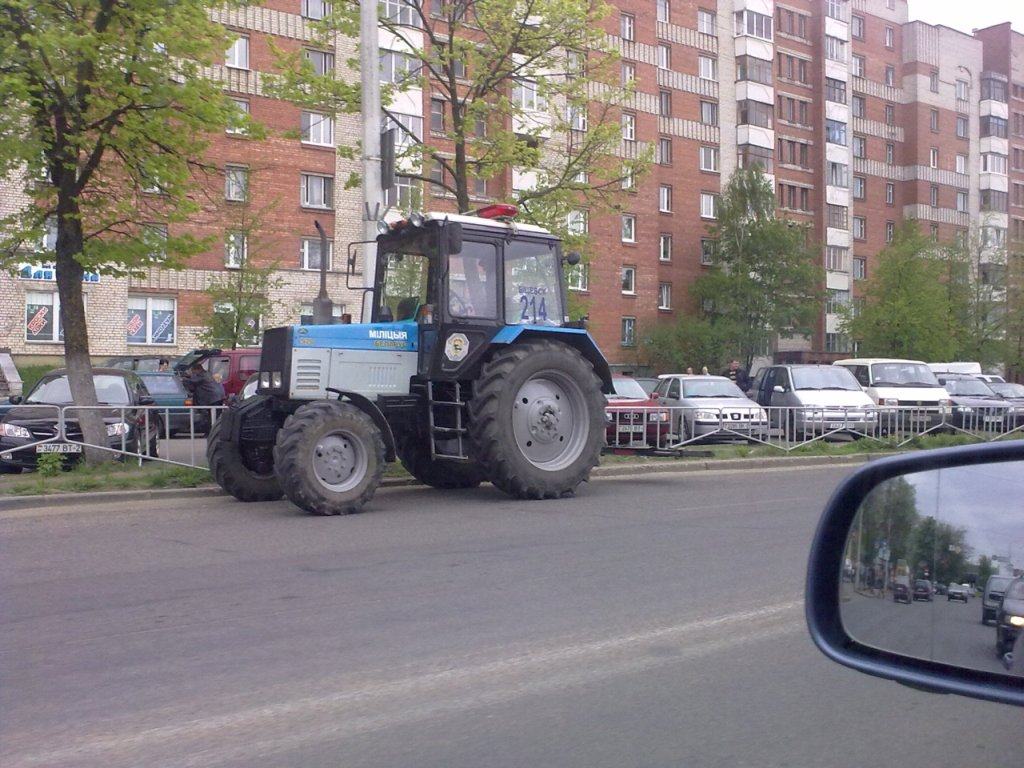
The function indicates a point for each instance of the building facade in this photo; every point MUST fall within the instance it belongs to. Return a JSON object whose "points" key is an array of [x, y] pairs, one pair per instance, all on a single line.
{"points": [[861, 118]]}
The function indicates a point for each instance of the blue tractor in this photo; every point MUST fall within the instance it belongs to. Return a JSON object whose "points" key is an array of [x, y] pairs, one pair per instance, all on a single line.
{"points": [[469, 370]]}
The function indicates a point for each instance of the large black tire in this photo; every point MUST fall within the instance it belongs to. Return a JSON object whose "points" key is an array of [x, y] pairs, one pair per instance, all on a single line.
{"points": [[415, 457], [329, 458], [232, 472], [537, 419]]}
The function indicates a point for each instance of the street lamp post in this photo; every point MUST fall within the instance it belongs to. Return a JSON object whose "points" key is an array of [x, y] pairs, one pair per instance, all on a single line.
{"points": [[372, 193]]}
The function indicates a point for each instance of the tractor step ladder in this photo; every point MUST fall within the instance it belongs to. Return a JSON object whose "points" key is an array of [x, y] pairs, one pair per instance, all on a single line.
{"points": [[436, 410]]}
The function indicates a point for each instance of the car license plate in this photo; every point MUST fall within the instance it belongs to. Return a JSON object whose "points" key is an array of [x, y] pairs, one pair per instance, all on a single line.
{"points": [[59, 448], [993, 419], [636, 429], [835, 425]]}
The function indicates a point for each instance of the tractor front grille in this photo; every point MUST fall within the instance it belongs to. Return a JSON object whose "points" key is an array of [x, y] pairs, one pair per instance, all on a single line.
{"points": [[308, 374]]}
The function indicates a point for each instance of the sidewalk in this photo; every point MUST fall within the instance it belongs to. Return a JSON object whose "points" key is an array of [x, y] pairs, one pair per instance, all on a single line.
{"points": [[618, 469]]}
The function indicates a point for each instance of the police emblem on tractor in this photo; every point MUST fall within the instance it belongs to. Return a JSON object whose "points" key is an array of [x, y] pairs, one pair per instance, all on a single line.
{"points": [[469, 370]]}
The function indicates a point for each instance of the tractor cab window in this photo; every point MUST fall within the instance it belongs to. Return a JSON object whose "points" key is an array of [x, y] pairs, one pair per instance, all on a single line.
{"points": [[473, 282], [532, 293], [403, 286]]}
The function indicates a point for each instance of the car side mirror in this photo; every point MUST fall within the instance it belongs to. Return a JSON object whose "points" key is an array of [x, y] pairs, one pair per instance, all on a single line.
{"points": [[779, 388], [15, 399], [146, 400], [573, 258], [655, 395], [947, 516]]}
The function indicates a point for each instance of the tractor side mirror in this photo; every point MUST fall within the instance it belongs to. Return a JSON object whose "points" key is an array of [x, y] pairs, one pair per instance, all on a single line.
{"points": [[453, 231], [14, 399], [779, 388], [573, 258]]}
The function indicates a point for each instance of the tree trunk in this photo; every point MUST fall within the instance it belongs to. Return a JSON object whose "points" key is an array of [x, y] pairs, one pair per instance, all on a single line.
{"points": [[76, 336]]}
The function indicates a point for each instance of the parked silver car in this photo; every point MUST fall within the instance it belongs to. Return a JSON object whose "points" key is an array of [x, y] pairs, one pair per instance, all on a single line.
{"points": [[710, 405], [815, 399]]}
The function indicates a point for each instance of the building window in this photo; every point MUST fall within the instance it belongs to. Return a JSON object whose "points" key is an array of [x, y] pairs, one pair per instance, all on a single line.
{"points": [[890, 193], [890, 75], [323, 62], [664, 11], [526, 95], [962, 126], [629, 280], [628, 73], [309, 254], [578, 222], [834, 9], [792, 68], [793, 152], [963, 90], [835, 258], [236, 247], [755, 113], [839, 174], [628, 334], [835, 90], [665, 247], [401, 12], [837, 216], [890, 231], [837, 342], [707, 68], [859, 109], [709, 158], [316, 191], [627, 27], [664, 296], [993, 163], [994, 126], [933, 81], [790, 22], [708, 205], [438, 111], [151, 320], [754, 24], [961, 200], [665, 198], [933, 121], [933, 196], [860, 228], [890, 114], [961, 163], [753, 69], [237, 56], [628, 126], [933, 157], [859, 188], [793, 110], [835, 132], [860, 269], [835, 48], [860, 147], [707, 22], [709, 112], [315, 9], [664, 151], [890, 37], [628, 228], [750, 156], [405, 195], [793, 197], [665, 103], [836, 301], [857, 27], [628, 178], [994, 201], [890, 154], [236, 183], [318, 129], [577, 278], [239, 125], [42, 317], [707, 252], [857, 66], [664, 56]]}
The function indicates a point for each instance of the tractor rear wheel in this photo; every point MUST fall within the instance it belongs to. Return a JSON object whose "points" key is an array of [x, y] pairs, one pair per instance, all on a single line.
{"points": [[537, 419], [247, 473], [329, 458], [415, 457]]}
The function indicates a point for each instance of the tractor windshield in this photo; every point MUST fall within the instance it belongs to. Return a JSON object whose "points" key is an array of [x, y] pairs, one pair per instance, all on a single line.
{"points": [[532, 291], [403, 285], [473, 281]]}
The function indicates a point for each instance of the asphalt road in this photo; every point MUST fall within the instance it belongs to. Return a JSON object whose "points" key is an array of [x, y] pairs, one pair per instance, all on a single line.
{"points": [[648, 622]]}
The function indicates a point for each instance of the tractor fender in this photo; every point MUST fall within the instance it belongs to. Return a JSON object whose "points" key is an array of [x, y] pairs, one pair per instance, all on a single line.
{"points": [[367, 406], [578, 338]]}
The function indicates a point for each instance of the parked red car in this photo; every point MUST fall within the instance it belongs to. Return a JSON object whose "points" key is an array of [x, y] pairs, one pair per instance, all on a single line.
{"points": [[634, 419], [231, 367]]}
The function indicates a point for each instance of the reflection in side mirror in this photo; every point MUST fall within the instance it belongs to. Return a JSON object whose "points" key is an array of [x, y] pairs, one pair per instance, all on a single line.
{"points": [[919, 545], [917, 572]]}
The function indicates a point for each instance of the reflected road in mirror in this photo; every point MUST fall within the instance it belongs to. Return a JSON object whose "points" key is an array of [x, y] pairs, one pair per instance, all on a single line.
{"points": [[934, 567]]}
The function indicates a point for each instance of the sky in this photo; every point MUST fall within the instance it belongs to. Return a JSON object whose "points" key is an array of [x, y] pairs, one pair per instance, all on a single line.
{"points": [[965, 16]]}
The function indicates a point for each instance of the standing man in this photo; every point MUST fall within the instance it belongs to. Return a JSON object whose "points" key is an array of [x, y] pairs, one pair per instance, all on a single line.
{"points": [[205, 390], [737, 375], [164, 365]]}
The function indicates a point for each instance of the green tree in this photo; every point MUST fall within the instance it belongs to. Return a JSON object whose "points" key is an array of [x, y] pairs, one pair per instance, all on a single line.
{"points": [[906, 309], [1013, 312], [691, 342], [888, 514], [764, 278], [985, 569], [940, 551], [106, 103]]}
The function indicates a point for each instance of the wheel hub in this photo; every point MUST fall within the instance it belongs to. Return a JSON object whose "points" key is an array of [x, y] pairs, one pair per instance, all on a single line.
{"points": [[336, 459], [549, 420]]}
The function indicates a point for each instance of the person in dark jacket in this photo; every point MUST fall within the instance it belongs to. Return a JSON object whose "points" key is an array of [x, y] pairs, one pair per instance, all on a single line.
{"points": [[737, 375], [205, 390]]}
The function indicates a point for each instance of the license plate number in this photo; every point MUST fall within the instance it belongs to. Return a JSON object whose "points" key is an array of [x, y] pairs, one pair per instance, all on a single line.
{"points": [[59, 448], [993, 419], [835, 425], [636, 429]]}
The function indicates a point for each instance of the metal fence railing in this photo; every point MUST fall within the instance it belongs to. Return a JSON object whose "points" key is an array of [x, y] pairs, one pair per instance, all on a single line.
{"points": [[168, 434], [671, 428]]}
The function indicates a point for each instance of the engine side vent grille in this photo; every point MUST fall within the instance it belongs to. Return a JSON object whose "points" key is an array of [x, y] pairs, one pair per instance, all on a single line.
{"points": [[308, 372]]}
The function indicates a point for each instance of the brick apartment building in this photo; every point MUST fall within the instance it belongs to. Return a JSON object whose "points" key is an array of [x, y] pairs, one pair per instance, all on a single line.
{"points": [[862, 118]]}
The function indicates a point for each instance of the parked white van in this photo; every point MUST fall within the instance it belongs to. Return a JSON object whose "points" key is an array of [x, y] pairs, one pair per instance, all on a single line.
{"points": [[907, 384]]}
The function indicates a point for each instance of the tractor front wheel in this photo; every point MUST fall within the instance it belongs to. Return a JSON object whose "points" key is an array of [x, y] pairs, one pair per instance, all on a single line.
{"points": [[329, 458], [537, 419], [245, 473]]}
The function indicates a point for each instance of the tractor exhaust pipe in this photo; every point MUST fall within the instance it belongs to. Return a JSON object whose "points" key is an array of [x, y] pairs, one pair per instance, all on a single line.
{"points": [[323, 307]]}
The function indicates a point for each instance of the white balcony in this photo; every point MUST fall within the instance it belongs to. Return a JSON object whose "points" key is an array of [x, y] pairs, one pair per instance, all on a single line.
{"points": [[837, 70], [837, 111], [753, 134], [758, 92], [837, 281], [837, 196], [752, 46], [994, 145], [839, 237], [996, 181], [995, 109]]}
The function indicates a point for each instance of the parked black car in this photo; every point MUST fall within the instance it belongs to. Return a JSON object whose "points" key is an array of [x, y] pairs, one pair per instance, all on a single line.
{"points": [[923, 590], [121, 389], [975, 405]]}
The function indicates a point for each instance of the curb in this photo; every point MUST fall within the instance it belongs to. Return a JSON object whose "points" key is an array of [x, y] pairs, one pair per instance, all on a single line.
{"points": [[12, 503]]}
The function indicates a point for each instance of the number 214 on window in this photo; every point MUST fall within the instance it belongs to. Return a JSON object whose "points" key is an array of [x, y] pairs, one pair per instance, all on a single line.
{"points": [[533, 309]]}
